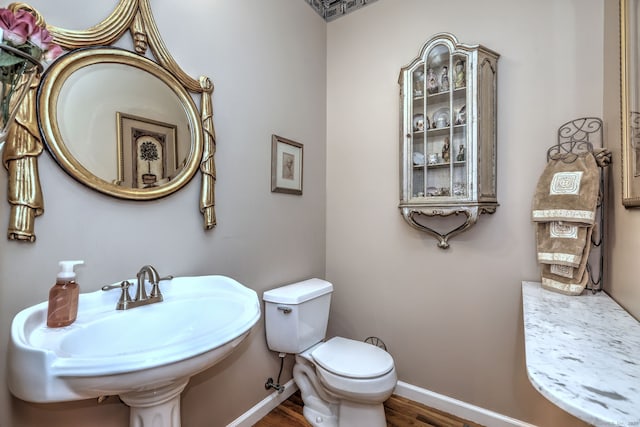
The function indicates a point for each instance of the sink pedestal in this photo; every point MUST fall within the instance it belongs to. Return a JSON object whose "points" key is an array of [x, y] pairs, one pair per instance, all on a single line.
{"points": [[159, 407]]}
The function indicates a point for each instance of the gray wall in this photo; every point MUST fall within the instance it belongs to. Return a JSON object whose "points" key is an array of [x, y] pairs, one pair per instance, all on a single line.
{"points": [[452, 319]]}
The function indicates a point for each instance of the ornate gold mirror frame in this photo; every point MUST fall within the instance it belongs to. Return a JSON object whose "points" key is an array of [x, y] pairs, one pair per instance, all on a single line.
{"points": [[24, 144], [92, 156]]}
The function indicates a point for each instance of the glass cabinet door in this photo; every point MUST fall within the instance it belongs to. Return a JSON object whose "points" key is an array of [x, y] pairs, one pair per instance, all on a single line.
{"points": [[439, 126]]}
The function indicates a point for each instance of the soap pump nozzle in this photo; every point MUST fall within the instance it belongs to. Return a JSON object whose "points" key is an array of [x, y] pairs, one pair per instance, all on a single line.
{"points": [[66, 269]]}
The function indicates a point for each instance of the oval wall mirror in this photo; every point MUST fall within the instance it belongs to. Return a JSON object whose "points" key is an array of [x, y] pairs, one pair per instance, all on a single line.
{"points": [[119, 123]]}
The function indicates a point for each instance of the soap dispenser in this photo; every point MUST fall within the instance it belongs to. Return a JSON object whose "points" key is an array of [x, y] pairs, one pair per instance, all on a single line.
{"points": [[63, 296]]}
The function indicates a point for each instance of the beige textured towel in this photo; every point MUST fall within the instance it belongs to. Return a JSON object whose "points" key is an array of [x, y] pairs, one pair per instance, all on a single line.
{"points": [[555, 283], [561, 243], [555, 277], [568, 280], [568, 191], [565, 272], [564, 210]]}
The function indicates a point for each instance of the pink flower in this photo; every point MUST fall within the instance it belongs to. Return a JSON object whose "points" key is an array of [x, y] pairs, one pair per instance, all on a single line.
{"points": [[21, 31], [41, 38], [17, 27], [6, 18], [53, 52]]}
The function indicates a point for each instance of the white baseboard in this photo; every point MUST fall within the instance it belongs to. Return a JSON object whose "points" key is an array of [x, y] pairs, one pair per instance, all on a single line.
{"points": [[434, 400], [265, 406], [457, 407]]}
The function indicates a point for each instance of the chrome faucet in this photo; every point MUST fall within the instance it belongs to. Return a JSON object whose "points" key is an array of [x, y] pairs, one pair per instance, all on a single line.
{"points": [[154, 279], [141, 298]]}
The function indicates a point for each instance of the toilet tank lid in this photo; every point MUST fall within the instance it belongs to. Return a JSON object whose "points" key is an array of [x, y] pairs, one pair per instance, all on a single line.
{"points": [[299, 292]]}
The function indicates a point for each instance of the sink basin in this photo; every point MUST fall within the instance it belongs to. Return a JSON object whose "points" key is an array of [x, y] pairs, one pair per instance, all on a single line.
{"points": [[149, 349]]}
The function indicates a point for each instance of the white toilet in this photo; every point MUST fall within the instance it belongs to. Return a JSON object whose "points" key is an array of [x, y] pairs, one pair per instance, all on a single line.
{"points": [[343, 382]]}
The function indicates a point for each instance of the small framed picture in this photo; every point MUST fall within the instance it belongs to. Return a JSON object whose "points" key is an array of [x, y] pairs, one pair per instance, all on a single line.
{"points": [[147, 151], [286, 166]]}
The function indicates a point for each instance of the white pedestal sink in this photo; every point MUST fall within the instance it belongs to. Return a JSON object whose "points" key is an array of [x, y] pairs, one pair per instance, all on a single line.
{"points": [[146, 355]]}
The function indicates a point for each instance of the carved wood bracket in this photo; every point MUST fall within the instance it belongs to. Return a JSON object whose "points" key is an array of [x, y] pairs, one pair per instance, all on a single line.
{"points": [[471, 212]]}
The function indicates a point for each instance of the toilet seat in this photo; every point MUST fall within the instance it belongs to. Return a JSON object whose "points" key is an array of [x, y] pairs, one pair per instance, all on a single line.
{"points": [[352, 359], [364, 390], [354, 369]]}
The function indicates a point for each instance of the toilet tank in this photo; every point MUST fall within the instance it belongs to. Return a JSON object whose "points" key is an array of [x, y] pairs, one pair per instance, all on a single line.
{"points": [[296, 315]]}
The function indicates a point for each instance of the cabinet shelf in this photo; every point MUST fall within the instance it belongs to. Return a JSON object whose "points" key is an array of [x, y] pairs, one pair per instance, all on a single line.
{"points": [[419, 134], [441, 165], [434, 98], [445, 130]]}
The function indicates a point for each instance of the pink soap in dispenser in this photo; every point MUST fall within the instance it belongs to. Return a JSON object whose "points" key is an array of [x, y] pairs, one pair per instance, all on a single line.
{"points": [[63, 296]]}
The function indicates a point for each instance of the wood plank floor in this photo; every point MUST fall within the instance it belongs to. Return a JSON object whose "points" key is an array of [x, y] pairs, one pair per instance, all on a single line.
{"points": [[400, 412]]}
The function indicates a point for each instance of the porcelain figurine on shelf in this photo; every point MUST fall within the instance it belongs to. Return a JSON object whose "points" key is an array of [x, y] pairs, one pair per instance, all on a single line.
{"points": [[418, 122], [461, 115], [444, 79], [432, 82], [460, 80], [445, 150], [418, 82], [460, 156]]}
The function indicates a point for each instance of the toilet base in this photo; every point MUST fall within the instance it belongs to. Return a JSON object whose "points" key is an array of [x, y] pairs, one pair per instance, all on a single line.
{"points": [[319, 419], [351, 415], [354, 414]]}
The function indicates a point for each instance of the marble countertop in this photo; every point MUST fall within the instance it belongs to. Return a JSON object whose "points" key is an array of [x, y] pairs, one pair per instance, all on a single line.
{"points": [[583, 354]]}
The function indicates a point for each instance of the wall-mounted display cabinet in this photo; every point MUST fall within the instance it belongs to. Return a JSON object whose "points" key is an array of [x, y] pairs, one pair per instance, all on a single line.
{"points": [[448, 134]]}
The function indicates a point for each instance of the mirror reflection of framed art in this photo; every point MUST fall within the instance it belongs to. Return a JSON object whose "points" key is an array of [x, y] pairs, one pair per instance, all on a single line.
{"points": [[147, 151]]}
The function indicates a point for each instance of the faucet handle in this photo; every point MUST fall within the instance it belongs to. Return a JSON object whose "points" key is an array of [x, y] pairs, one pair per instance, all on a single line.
{"points": [[123, 285], [125, 298], [155, 288]]}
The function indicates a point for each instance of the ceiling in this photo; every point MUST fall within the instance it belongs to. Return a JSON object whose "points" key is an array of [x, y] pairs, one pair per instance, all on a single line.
{"points": [[334, 9]]}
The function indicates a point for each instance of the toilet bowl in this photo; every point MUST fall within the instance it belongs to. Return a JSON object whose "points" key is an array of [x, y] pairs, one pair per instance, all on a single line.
{"points": [[343, 382], [351, 379]]}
